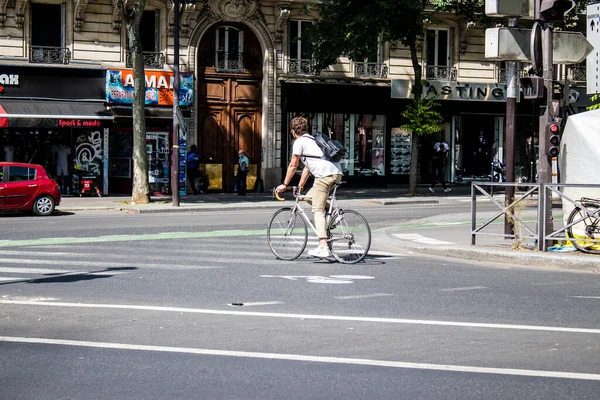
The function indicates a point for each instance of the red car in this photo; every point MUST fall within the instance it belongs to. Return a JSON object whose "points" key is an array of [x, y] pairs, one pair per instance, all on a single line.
{"points": [[27, 187]]}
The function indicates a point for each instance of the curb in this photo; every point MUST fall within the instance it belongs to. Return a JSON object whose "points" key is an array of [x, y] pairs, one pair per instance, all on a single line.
{"points": [[569, 261]]}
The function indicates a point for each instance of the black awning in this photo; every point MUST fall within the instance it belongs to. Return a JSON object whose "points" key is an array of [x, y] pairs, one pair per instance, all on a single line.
{"points": [[52, 113], [150, 112]]}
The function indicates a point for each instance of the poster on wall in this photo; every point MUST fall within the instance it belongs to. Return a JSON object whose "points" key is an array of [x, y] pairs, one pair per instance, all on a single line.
{"points": [[400, 151], [159, 87], [88, 162]]}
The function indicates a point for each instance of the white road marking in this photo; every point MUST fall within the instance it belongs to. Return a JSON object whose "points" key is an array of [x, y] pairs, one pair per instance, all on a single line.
{"points": [[14, 270], [586, 297], [34, 253], [332, 279], [415, 237], [306, 316], [305, 358], [364, 296], [458, 289], [383, 254], [256, 303], [10, 279], [99, 264]]}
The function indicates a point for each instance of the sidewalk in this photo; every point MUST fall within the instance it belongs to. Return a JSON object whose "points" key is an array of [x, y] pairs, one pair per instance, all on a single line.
{"points": [[439, 235]]}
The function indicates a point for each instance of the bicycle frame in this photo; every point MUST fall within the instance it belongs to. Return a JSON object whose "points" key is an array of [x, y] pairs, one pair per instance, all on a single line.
{"points": [[297, 208]]}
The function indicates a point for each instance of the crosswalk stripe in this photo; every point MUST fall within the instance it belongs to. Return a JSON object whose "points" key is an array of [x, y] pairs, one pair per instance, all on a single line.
{"points": [[12, 270]]}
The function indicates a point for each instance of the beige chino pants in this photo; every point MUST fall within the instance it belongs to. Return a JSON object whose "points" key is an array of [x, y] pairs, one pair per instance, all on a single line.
{"points": [[317, 197]]}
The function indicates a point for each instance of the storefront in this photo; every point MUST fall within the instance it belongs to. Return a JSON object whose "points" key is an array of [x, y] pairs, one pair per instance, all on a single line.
{"points": [[363, 117], [475, 119], [159, 127], [56, 117]]}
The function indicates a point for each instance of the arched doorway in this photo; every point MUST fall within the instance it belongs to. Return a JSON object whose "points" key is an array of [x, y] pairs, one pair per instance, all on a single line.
{"points": [[229, 70]]}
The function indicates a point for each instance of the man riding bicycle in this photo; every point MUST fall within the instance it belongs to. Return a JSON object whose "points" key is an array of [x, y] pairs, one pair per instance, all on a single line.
{"points": [[326, 174]]}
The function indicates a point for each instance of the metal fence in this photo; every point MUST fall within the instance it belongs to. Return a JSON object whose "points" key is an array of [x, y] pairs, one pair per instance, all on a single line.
{"points": [[534, 195]]}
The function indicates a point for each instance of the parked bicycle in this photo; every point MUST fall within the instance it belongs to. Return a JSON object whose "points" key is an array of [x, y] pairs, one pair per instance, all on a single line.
{"points": [[348, 233], [583, 225]]}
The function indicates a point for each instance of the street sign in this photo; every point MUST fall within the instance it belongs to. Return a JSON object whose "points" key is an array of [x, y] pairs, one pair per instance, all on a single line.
{"points": [[510, 8], [593, 35], [513, 44]]}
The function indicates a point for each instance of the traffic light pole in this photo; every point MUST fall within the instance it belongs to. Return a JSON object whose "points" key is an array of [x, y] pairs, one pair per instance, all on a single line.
{"points": [[544, 164], [511, 121]]}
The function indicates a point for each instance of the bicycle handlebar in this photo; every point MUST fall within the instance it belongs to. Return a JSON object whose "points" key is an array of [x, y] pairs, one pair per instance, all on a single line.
{"points": [[277, 194]]}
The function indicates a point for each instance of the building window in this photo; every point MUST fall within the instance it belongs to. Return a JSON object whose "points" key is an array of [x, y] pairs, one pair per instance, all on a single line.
{"points": [[439, 52], [229, 47], [300, 54], [48, 34], [150, 38], [372, 66]]}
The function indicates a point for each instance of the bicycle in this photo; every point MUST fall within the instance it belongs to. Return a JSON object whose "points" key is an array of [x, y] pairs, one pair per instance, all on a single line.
{"points": [[348, 232], [583, 225]]}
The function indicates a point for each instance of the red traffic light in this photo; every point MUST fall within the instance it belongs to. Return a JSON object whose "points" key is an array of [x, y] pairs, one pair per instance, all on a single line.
{"points": [[553, 128], [552, 139]]}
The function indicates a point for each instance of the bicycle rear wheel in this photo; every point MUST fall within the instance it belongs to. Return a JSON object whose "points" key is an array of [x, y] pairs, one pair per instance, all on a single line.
{"points": [[287, 234], [587, 228], [349, 237]]}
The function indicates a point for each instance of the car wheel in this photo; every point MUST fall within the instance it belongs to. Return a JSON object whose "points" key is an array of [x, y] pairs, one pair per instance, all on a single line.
{"points": [[43, 205]]}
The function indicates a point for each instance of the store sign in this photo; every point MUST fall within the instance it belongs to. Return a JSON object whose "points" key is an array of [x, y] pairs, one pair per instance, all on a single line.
{"points": [[159, 87], [78, 123], [450, 90], [9, 80]]}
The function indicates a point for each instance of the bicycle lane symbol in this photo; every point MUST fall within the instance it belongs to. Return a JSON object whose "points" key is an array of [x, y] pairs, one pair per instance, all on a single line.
{"points": [[331, 279]]}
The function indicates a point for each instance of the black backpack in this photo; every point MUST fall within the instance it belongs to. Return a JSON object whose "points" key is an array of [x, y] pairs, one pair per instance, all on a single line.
{"points": [[332, 149]]}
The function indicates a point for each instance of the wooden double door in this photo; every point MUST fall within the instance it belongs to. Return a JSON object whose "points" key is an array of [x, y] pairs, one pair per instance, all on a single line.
{"points": [[229, 103], [229, 121]]}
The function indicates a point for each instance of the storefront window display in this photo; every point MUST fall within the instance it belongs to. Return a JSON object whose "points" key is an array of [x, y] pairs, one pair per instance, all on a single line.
{"points": [[362, 134], [157, 149]]}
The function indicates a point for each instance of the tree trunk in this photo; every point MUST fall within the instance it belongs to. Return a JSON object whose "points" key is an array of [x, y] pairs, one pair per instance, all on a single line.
{"points": [[417, 90], [141, 189]]}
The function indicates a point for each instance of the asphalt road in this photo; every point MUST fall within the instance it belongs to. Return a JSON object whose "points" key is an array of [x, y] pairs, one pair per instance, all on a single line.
{"points": [[194, 306]]}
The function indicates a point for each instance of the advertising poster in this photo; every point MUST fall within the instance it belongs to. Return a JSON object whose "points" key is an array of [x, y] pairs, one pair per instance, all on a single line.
{"points": [[401, 151], [159, 88]]}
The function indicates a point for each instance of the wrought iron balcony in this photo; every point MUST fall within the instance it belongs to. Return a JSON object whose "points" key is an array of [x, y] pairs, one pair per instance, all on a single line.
{"points": [[503, 74], [370, 70], [230, 65], [49, 55], [302, 67], [577, 75], [151, 60], [437, 73]]}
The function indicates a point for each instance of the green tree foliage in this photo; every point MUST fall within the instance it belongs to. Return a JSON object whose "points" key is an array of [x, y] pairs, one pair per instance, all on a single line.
{"points": [[348, 27]]}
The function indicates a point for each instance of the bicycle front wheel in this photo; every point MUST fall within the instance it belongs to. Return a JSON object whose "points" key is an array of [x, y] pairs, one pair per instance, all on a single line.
{"points": [[587, 228], [287, 234], [349, 237]]}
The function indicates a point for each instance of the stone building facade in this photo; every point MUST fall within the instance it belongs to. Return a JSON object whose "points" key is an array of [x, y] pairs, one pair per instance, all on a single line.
{"points": [[250, 74]]}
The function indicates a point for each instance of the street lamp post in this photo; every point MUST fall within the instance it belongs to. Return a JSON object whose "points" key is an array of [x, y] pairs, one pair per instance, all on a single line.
{"points": [[176, 121]]}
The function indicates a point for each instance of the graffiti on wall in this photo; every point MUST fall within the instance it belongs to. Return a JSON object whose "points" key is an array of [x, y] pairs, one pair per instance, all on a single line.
{"points": [[88, 153]]}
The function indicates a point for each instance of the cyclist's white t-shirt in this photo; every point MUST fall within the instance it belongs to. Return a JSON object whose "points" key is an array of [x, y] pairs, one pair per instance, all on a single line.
{"points": [[306, 145]]}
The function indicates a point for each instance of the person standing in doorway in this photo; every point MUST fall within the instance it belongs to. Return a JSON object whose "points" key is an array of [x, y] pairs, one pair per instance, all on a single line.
{"points": [[193, 173], [242, 172], [440, 156]]}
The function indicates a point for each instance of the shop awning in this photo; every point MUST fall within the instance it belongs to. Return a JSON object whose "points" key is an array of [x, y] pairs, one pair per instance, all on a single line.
{"points": [[51, 113]]}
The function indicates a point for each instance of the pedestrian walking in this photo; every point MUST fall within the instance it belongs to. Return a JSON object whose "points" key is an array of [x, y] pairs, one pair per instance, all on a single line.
{"points": [[193, 173], [242, 172], [440, 157]]}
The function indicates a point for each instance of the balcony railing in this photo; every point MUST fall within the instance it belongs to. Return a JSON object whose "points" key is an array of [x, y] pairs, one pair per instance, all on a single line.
{"points": [[503, 74], [437, 73], [49, 55], [151, 60], [577, 75], [370, 70], [302, 67]]}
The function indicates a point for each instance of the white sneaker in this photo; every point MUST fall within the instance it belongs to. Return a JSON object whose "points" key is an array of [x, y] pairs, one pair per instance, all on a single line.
{"points": [[431, 190], [447, 190], [319, 252]]}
